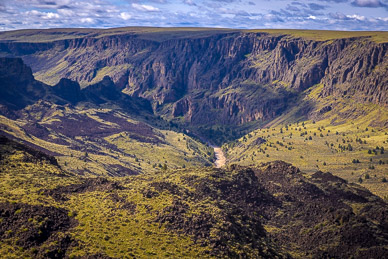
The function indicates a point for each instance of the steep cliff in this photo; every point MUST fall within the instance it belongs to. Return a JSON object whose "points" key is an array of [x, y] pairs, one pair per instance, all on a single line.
{"points": [[220, 77], [18, 88]]}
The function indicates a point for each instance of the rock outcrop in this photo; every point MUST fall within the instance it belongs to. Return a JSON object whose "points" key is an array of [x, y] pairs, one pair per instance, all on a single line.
{"points": [[273, 211], [228, 77], [17, 85], [18, 89]]}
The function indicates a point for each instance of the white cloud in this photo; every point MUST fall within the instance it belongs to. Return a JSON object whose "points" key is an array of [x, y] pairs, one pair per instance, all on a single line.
{"points": [[51, 15], [33, 12], [87, 20], [66, 12], [356, 16], [143, 7], [125, 16], [23, 14], [42, 15]]}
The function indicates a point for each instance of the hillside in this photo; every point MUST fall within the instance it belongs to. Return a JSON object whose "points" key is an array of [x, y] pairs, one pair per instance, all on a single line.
{"points": [[133, 100], [94, 131], [148, 142], [269, 210], [217, 83], [354, 152]]}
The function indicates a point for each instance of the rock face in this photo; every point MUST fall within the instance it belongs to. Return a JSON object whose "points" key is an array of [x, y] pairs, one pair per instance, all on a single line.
{"points": [[17, 85], [68, 90], [358, 68], [14, 69], [225, 77], [18, 88]]}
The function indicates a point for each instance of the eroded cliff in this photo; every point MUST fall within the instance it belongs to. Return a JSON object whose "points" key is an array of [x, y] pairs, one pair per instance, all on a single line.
{"points": [[223, 77]]}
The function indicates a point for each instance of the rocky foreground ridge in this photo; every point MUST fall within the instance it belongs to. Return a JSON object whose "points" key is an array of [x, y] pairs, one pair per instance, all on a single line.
{"points": [[271, 211]]}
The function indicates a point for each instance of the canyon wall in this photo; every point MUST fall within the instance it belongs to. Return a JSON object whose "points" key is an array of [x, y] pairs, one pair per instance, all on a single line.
{"points": [[224, 78]]}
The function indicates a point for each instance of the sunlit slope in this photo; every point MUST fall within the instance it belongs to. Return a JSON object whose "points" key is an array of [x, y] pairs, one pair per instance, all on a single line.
{"points": [[148, 33], [353, 150], [217, 83], [324, 35], [161, 34], [270, 211], [104, 141]]}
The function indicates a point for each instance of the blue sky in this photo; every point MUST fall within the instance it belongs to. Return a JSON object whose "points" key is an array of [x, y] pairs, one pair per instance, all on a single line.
{"points": [[315, 14]]}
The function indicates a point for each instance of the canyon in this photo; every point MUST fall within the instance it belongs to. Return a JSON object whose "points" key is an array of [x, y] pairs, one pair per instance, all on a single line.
{"points": [[148, 142], [213, 81]]}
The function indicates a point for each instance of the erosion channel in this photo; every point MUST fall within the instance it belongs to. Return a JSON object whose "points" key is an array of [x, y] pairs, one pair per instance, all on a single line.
{"points": [[220, 157]]}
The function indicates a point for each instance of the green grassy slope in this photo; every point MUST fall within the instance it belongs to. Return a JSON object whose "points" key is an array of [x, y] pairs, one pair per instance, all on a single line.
{"points": [[269, 211], [323, 35], [149, 33], [162, 34], [104, 141], [351, 151]]}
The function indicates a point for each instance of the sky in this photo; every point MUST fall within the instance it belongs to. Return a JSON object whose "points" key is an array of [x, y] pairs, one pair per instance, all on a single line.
{"points": [[247, 14]]}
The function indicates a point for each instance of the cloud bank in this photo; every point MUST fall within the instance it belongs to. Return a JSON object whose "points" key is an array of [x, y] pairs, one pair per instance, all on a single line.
{"points": [[316, 14]]}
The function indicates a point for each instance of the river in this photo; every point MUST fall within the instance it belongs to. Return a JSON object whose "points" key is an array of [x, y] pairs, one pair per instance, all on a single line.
{"points": [[220, 157], [219, 154]]}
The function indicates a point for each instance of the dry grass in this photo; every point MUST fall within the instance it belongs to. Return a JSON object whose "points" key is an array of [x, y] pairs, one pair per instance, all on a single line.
{"points": [[322, 152], [168, 33], [323, 35]]}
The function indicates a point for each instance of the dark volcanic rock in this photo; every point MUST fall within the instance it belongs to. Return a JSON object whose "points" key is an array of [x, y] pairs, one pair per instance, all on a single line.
{"points": [[87, 185], [68, 90], [317, 215], [33, 226], [103, 91], [36, 155], [277, 212], [17, 85]]}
